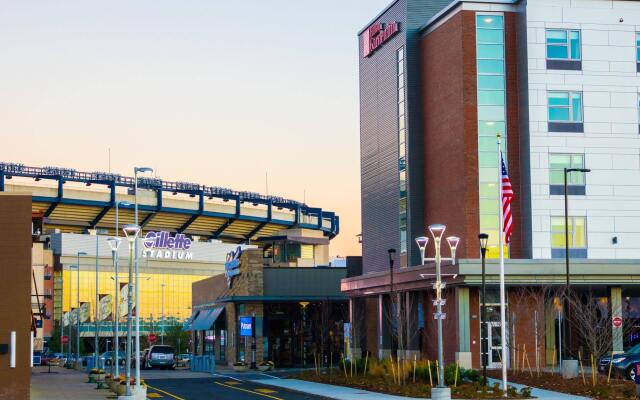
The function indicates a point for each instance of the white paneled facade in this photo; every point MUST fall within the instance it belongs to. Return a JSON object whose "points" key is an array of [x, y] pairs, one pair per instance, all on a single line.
{"points": [[610, 141]]}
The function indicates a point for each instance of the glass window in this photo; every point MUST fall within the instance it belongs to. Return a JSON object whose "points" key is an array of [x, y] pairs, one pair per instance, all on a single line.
{"points": [[490, 113], [577, 233], [491, 66], [490, 51], [557, 164], [563, 44], [638, 47], [402, 159], [489, 22], [565, 106], [491, 97], [491, 82]]}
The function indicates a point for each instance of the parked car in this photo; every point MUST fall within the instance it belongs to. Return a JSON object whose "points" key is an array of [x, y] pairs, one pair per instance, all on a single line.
{"points": [[159, 356], [183, 360], [622, 364], [107, 358]]}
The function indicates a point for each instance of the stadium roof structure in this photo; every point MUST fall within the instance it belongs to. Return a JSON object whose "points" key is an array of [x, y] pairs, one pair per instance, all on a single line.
{"points": [[209, 211]]}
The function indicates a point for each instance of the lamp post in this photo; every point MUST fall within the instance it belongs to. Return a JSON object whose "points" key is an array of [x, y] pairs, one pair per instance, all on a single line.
{"points": [[131, 232], [484, 345], [135, 221], [567, 327], [80, 253], [437, 231], [114, 243], [392, 253]]}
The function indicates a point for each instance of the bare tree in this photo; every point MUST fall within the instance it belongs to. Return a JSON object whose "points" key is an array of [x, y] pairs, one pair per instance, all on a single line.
{"points": [[527, 305], [591, 321]]}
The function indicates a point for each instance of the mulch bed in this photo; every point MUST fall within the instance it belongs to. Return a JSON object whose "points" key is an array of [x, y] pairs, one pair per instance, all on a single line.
{"points": [[383, 385], [615, 389]]}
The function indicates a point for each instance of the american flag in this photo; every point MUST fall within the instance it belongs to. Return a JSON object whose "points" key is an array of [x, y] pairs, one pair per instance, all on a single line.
{"points": [[507, 197]]}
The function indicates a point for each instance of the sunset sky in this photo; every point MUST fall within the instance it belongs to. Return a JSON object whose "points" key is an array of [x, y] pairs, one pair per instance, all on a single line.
{"points": [[213, 92]]}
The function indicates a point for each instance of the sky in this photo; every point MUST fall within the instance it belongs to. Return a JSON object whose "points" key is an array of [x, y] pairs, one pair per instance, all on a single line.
{"points": [[223, 93]]}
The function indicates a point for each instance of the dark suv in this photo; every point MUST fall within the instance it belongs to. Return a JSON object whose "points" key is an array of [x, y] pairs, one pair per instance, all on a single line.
{"points": [[159, 356], [622, 364]]}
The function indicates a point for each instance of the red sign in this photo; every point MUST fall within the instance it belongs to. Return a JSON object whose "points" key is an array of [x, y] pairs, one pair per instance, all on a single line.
{"points": [[152, 337], [376, 35], [64, 339], [617, 322]]}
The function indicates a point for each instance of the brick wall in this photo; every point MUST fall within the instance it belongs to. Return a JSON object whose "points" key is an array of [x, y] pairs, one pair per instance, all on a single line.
{"points": [[15, 286], [450, 125]]}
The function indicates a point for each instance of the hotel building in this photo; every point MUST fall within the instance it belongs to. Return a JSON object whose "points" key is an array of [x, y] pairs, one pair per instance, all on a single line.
{"points": [[559, 82]]}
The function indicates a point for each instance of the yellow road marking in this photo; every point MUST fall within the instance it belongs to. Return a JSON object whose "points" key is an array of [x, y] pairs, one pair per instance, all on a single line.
{"points": [[232, 382], [154, 395], [266, 391], [163, 392], [249, 391]]}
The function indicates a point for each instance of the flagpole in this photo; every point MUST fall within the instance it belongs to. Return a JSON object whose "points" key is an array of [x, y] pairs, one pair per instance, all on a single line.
{"points": [[503, 319]]}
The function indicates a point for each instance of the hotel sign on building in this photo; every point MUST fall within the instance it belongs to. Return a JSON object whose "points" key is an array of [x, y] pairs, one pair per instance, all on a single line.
{"points": [[376, 35]]}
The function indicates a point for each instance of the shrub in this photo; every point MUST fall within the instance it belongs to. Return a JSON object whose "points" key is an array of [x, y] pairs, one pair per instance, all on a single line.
{"points": [[472, 375], [525, 391], [450, 372]]}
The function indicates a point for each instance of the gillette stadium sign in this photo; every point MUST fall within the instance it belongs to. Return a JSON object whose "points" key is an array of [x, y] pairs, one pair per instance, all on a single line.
{"points": [[161, 245]]}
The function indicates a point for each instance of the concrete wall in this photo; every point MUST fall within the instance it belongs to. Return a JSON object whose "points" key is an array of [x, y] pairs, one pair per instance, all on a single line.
{"points": [[15, 286]]}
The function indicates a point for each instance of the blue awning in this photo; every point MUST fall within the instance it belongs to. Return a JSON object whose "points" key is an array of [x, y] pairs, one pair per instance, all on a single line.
{"points": [[206, 318], [189, 322]]}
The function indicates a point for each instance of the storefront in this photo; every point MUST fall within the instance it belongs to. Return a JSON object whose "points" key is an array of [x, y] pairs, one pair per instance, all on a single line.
{"points": [[290, 313], [603, 302]]}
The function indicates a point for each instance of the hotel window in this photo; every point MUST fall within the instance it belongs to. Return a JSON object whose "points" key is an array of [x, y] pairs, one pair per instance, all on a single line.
{"points": [[637, 51], [577, 237], [563, 49], [575, 180], [565, 111], [402, 152], [490, 61]]}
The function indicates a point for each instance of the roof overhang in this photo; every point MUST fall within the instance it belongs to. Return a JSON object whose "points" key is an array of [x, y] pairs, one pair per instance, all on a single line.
{"points": [[468, 272]]}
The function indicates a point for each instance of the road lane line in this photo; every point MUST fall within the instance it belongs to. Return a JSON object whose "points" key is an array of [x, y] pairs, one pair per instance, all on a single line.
{"points": [[249, 391], [167, 393], [270, 376], [227, 376]]}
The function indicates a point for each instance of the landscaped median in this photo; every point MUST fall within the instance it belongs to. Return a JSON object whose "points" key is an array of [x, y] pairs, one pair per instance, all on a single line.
{"points": [[410, 379], [590, 385]]}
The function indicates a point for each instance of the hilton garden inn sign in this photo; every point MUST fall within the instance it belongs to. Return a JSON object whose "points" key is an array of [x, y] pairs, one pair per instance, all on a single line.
{"points": [[161, 245]]}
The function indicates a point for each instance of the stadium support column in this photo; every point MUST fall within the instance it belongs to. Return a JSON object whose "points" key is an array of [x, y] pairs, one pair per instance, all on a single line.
{"points": [[616, 311]]}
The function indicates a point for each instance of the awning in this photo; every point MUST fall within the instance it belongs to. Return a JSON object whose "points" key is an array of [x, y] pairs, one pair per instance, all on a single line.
{"points": [[206, 318], [189, 322]]}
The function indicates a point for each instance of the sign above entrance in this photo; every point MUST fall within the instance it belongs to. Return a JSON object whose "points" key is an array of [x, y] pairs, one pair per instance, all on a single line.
{"points": [[162, 245], [376, 35], [232, 265]]}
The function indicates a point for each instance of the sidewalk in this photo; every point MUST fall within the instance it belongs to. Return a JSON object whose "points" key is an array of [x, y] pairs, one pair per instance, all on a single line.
{"points": [[329, 391], [63, 384], [346, 393]]}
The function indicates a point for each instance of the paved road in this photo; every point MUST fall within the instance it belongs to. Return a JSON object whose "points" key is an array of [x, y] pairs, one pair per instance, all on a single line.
{"points": [[218, 388]]}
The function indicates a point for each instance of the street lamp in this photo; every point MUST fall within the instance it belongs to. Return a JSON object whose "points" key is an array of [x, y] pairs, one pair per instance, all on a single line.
{"points": [[484, 345], [437, 231], [567, 333], [422, 242], [131, 231], [78, 254], [135, 221], [392, 254], [114, 243]]}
